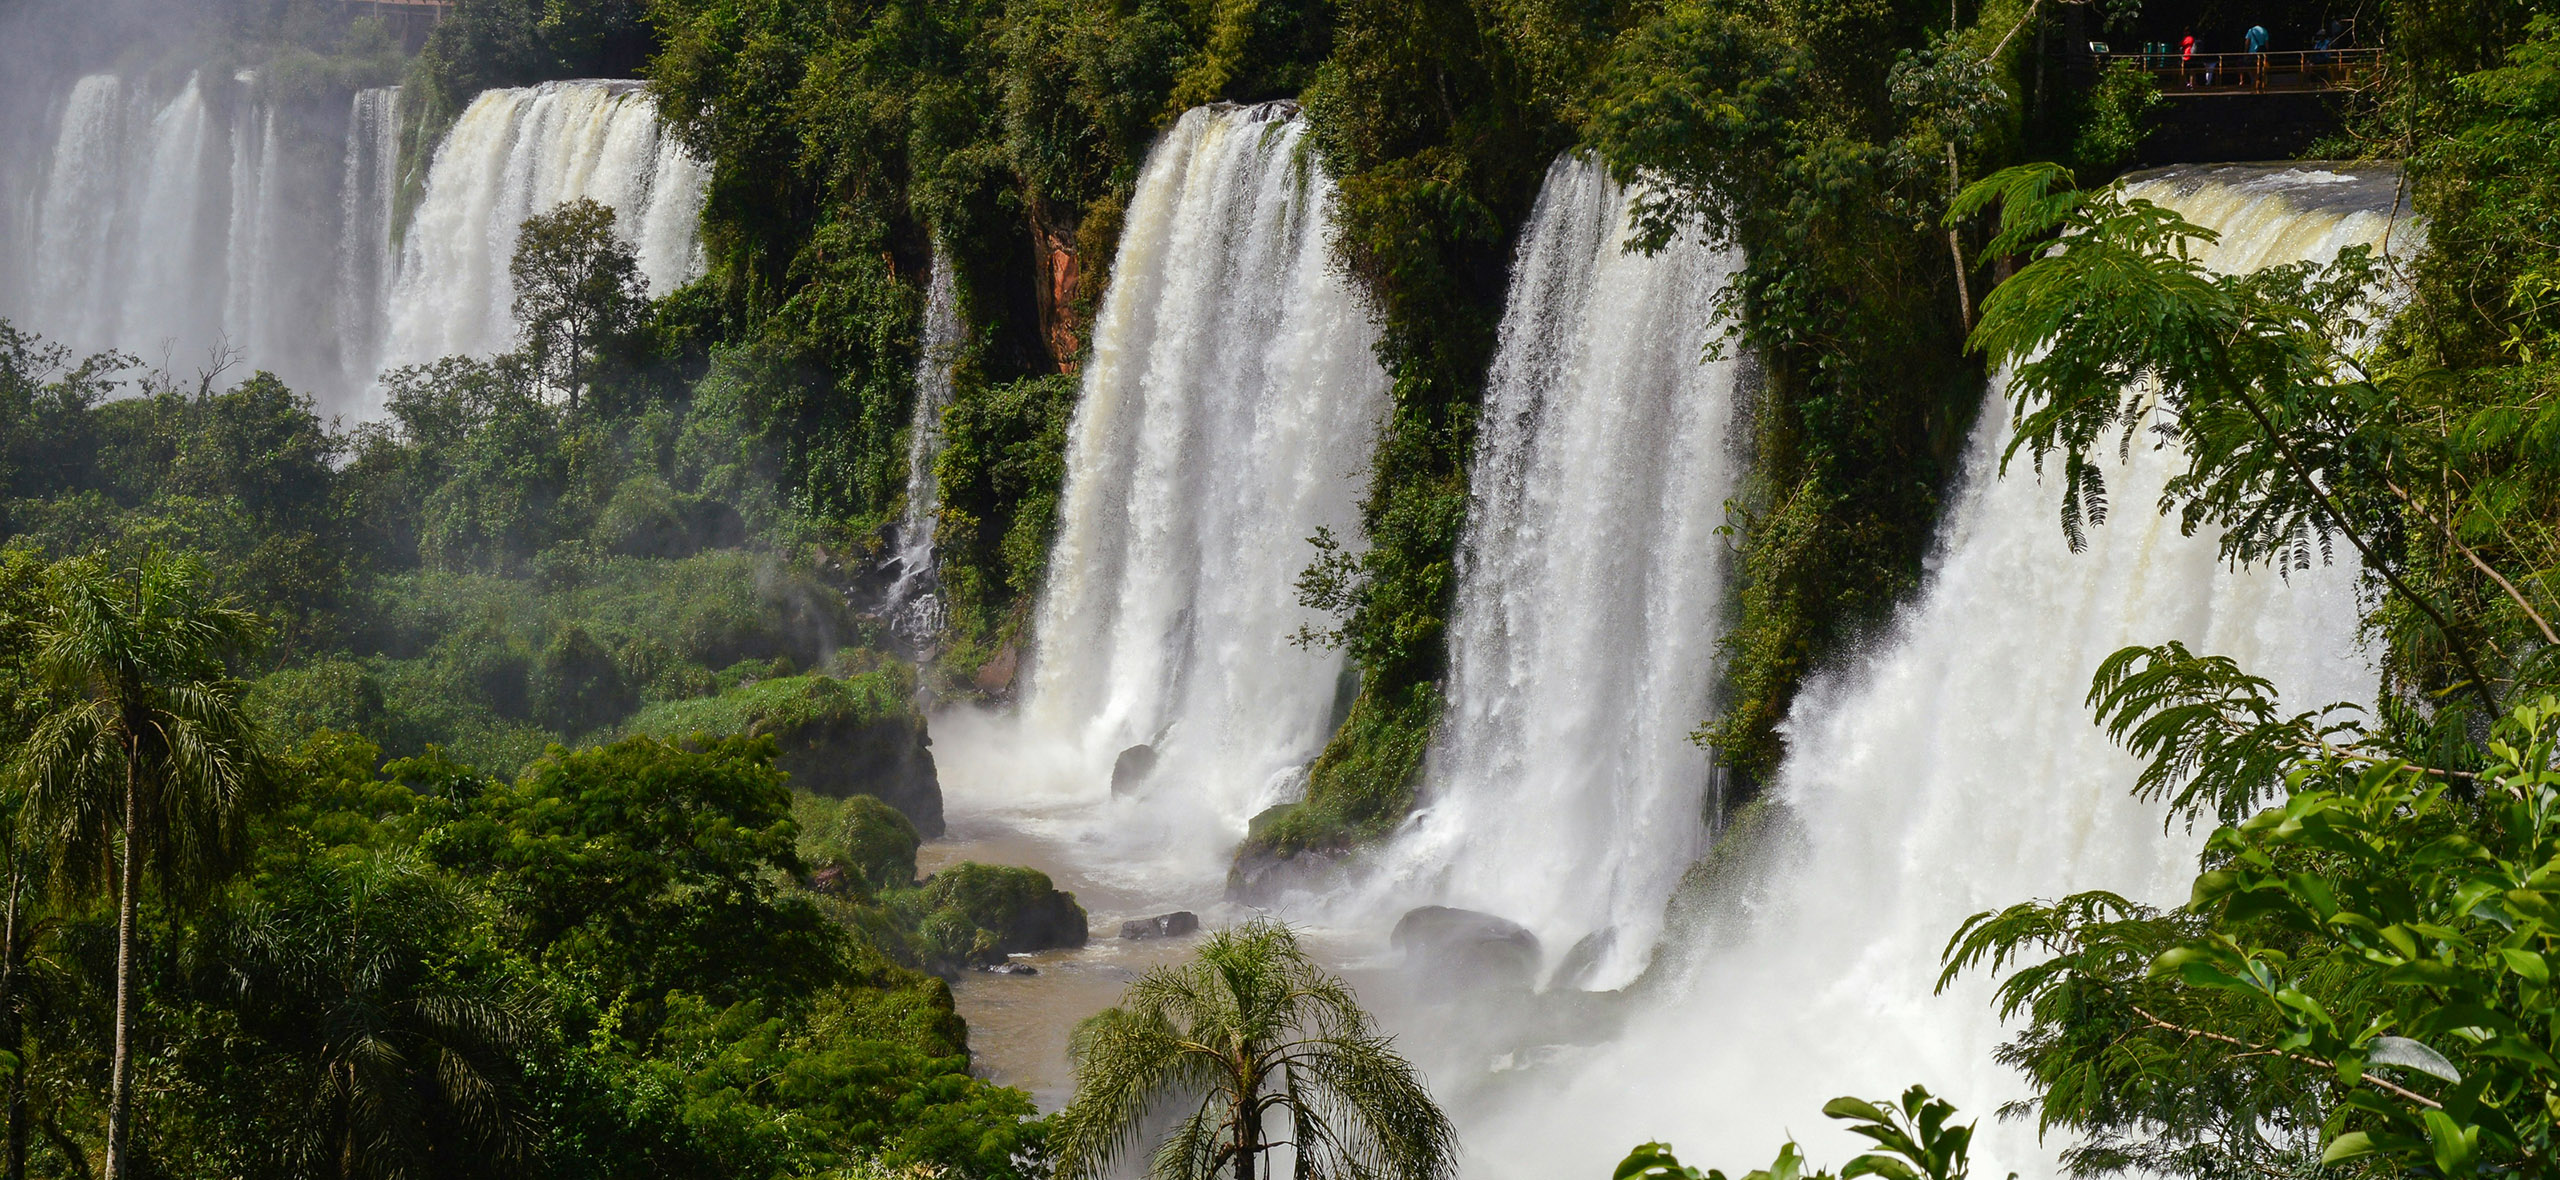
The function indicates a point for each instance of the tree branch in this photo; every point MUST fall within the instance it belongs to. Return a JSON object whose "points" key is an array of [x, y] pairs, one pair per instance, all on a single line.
{"points": [[2266, 1051], [2540, 624], [2338, 516]]}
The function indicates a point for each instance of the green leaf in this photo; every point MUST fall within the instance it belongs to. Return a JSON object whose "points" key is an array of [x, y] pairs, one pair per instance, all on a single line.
{"points": [[2456, 1147], [1855, 1108], [1873, 1164], [2527, 964], [2409, 1054], [2346, 1147]]}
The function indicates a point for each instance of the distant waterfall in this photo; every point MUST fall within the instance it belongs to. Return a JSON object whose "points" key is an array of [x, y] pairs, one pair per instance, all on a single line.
{"points": [[515, 153], [1229, 409], [369, 181], [171, 221], [168, 220], [1951, 769], [914, 604], [1563, 792]]}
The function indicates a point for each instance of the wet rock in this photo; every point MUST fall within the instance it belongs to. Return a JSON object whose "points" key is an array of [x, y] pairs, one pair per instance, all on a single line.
{"points": [[1129, 772], [1263, 876], [1010, 969], [1583, 961], [1477, 946], [995, 677], [1173, 925]]}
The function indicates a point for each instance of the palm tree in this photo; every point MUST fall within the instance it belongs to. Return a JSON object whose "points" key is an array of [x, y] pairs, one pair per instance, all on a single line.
{"points": [[146, 753], [351, 963], [1251, 1027]]}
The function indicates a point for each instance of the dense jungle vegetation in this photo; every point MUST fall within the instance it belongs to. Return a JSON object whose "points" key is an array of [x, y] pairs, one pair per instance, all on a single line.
{"points": [[494, 700]]}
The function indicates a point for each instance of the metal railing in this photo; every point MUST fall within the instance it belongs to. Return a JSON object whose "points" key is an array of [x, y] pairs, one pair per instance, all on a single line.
{"points": [[2225, 73]]}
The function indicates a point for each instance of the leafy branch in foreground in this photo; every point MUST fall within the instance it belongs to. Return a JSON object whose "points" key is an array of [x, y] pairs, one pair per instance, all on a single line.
{"points": [[2209, 732], [2372, 957], [1917, 1140], [2291, 442]]}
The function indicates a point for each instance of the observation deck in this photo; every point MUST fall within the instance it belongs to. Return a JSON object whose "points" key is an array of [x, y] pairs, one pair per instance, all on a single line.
{"points": [[2223, 75]]}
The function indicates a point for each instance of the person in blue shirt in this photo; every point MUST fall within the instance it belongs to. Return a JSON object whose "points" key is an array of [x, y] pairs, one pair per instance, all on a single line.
{"points": [[2256, 39]]}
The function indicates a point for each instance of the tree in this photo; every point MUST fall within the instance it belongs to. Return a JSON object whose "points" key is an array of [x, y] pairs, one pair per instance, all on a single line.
{"points": [[650, 867], [359, 966], [578, 287], [147, 758], [1252, 1026]]}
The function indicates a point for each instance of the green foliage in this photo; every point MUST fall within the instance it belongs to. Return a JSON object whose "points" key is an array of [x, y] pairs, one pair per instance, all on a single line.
{"points": [[578, 290], [858, 735], [1002, 464], [651, 867], [1917, 1140], [1820, 139], [1363, 783], [2114, 123], [1251, 1030], [2365, 960], [143, 765], [859, 834], [747, 1094], [975, 914]]}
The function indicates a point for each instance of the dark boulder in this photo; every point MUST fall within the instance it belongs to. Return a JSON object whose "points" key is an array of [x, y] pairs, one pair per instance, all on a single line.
{"points": [[1474, 945], [1575, 972], [1129, 772], [1173, 925]]}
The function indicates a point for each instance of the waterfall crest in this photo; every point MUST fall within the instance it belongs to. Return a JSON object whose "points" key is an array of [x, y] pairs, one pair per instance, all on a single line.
{"points": [[1562, 791], [1228, 412], [1953, 768], [518, 152], [914, 606]]}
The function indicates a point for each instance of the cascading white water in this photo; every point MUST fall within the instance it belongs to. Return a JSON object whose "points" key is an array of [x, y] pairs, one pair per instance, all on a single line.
{"points": [[515, 153], [1228, 413], [914, 606], [75, 214], [1562, 792], [173, 223], [1952, 769], [170, 220], [370, 178]]}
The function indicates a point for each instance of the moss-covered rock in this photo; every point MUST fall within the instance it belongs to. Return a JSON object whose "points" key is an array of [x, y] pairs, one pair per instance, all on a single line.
{"points": [[864, 842], [973, 915], [1360, 787], [855, 736]]}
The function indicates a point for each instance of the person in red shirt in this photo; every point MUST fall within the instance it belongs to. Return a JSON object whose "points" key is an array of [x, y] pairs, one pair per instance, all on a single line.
{"points": [[2187, 58]]}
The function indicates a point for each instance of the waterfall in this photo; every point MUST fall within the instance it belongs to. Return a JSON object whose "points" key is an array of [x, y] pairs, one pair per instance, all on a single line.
{"points": [[914, 607], [170, 220], [75, 213], [1562, 791], [368, 184], [515, 153], [1228, 412], [1949, 769]]}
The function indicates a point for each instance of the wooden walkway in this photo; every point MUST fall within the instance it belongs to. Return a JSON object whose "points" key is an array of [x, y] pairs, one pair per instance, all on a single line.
{"points": [[2221, 74]]}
